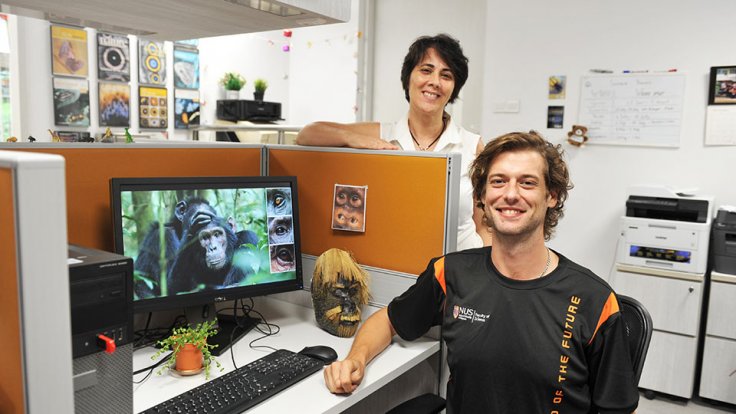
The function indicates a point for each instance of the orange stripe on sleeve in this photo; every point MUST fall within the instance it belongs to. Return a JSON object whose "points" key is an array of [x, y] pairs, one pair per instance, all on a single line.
{"points": [[610, 308], [439, 273]]}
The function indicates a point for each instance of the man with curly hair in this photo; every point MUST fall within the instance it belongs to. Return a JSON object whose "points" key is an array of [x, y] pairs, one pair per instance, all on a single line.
{"points": [[527, 330]]}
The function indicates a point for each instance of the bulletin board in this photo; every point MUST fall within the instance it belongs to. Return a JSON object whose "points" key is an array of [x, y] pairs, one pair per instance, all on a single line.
{"points": [[90, 167], [633, 109], [405, 206]]}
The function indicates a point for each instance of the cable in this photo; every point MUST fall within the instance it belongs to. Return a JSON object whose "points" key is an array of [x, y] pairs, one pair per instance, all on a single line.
{"points": [[151, 368]]}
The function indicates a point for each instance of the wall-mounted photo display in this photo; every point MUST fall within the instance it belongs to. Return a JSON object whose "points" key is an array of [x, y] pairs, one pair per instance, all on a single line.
{"points": [[69, 51], [555, 116], [114, 104], [186, 68], [113, 57], [557, 86], [152, 63], [186, 108], [348, 210], [152, 107], [722, 85], [71, 102]]}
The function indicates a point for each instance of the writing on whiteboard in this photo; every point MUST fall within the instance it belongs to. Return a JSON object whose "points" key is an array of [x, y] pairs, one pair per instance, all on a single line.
{"points": [[633, 109]]}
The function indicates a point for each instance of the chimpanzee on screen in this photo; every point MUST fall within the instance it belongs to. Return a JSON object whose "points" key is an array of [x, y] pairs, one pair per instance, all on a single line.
{"points": [[206, 250], [149, 257]]}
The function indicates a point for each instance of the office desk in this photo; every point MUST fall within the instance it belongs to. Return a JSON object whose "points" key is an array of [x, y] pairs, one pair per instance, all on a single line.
{"points": [[298, 329]]}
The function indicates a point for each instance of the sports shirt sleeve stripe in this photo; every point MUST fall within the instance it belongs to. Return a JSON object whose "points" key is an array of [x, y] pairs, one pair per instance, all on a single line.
{"points": [[439, 273], [609, 308]]}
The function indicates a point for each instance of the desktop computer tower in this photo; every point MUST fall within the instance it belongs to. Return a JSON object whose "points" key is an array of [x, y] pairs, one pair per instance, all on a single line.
{"points": [[100, 285]]}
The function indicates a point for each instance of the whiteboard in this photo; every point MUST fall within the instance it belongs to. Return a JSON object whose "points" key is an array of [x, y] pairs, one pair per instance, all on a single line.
{"points": [[633, 109]]}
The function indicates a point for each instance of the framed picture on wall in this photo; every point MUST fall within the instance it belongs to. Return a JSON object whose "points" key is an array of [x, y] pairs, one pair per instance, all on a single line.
{"points": [[68, 51], [186, 108], [153, 107], [71, 102], [152, 63], [114, 104], [113, 57], [722, 85], [186, 68]]}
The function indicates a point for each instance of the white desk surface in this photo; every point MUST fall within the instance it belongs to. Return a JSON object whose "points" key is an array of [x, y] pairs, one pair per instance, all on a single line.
{"points": [[298, 329]]}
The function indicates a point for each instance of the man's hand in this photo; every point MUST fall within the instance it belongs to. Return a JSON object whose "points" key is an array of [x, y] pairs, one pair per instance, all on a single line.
{"points": [[343, 377]]}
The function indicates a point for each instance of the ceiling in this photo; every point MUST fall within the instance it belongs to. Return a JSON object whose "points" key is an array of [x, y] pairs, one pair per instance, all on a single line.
{"points": [[183, 19]]}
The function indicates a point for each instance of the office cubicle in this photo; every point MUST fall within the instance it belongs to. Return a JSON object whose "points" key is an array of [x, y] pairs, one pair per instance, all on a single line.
{"points": [[36, 351]]}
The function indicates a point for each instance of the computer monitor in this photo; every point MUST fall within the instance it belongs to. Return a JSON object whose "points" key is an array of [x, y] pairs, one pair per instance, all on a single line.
{"points": [[199, 240]]}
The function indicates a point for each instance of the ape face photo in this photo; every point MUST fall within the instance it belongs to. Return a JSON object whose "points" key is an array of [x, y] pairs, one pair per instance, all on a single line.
{"points": [[339, 289], [348, 211], [282, 258], [278, 201], [280, 230]]}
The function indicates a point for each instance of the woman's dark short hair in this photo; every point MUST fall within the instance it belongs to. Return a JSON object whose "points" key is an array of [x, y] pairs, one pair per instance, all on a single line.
{"points": [[449, 50], [556, 175]]}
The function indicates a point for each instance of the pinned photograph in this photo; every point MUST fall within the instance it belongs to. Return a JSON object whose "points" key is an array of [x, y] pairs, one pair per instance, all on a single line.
{"points": [[186, 68], [348, 211], [557, 86], [555, 116], [722, 85], [113, 57], [153, 108], [152, 63], [186, 108]]}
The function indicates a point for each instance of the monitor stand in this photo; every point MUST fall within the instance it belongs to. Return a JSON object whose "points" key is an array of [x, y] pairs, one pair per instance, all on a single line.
{"points": [[230, 331], [230, 328]]}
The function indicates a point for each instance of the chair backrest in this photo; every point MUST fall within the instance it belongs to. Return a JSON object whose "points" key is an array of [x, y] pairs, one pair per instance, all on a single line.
{"points": [[638, 329]]}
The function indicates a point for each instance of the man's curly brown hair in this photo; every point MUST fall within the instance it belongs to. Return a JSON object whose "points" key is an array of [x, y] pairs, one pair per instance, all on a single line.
{"points": [[556, 176]]}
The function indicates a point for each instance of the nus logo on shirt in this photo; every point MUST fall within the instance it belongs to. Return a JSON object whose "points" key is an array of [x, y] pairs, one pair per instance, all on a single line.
{"points": [[468, 314]]}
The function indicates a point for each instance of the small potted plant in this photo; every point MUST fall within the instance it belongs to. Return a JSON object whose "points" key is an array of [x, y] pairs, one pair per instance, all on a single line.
{"points": [[190, 351], [233, 82], [260, 86]]}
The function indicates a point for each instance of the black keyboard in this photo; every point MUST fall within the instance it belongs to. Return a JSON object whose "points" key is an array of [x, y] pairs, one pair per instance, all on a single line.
{"points": [[245, 387]]}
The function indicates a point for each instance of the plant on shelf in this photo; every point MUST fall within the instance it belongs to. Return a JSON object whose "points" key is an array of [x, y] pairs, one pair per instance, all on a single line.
{"points": [[189, 349], [232, 81], [260, 86]]}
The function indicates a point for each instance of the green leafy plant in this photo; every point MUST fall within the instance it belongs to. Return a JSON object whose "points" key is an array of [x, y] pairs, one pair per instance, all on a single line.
{"points": [[232, 81], [196, 336], [260, 85]]}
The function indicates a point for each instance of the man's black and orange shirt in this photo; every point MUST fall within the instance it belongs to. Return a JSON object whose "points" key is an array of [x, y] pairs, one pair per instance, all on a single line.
{"points": [[551, 345]]}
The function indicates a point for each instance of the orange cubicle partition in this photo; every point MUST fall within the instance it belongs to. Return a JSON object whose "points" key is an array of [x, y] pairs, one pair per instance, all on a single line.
{"points": [[89, 170], [406, 203], [11, 381]]}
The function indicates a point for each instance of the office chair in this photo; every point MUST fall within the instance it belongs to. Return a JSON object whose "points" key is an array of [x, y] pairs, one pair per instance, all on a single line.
{"points": [[638, 330]]}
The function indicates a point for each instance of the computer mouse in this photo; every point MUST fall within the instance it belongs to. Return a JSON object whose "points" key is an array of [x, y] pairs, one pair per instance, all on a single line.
{"points": [[324, 353]]}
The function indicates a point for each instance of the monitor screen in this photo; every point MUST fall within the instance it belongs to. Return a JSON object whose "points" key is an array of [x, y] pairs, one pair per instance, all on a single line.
{"points": [[207, 239]]}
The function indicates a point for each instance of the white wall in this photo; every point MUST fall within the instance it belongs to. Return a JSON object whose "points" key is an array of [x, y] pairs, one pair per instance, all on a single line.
{"points": [[399, 23], [525, 42], [315, 80]]}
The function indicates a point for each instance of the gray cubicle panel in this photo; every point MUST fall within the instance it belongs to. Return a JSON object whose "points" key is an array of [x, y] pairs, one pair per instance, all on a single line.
{"points": [[34, 312]]}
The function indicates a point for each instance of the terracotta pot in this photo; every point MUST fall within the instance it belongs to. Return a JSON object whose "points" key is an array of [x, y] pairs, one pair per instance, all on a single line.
{"points": [[189, 358]]}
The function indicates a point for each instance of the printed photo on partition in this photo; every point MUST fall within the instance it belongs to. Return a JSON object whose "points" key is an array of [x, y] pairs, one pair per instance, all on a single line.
{"points": [[186, 68], [69, 51], [153, 107], [557, 86], [186, 108], [555, 116], [282, 258], [722, 85], [348, 211], [71, 102], [152, 63], [113, 57], [114, 104]]}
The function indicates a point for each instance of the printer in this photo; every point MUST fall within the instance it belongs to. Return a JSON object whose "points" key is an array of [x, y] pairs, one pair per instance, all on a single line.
{"points": [[724, 240], [665, 229]]}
